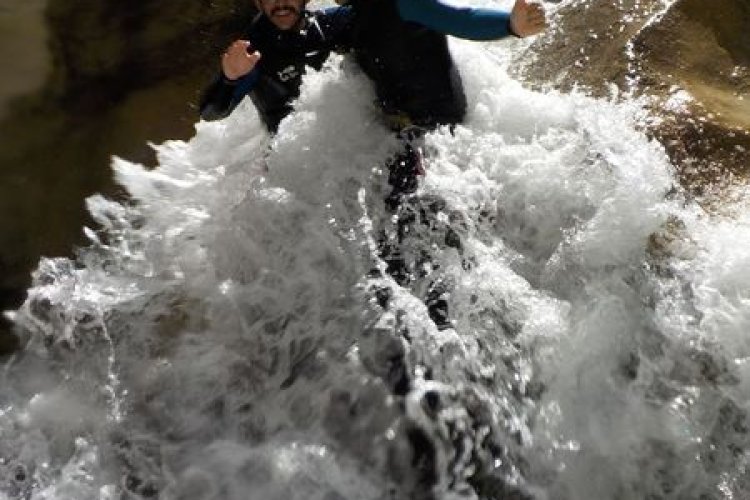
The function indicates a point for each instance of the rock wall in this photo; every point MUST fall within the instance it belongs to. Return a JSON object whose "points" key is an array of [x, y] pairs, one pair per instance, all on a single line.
{"points": [[122, 74], [692, 58], [22, 42], [703, 49], [116, 46]]}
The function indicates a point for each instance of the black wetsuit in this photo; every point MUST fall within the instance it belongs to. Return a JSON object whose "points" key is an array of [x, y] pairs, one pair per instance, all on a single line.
{"points": [[411, 66], [418, 87], [275, 81]]}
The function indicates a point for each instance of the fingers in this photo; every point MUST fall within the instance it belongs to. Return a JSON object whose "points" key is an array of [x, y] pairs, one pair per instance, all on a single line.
{"points": [[535, 16], [237, 47], [528, 18], [239, 59], [254, 57]]}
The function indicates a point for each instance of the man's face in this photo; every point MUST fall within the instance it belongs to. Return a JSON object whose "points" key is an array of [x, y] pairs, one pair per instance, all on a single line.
{"points": [[284, 14]]}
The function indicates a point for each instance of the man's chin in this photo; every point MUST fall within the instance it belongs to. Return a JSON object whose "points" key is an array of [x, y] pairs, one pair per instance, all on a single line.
{"points": [[286, 22]]}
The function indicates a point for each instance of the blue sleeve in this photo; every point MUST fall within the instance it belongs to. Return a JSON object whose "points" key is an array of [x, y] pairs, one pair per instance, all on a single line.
{"points": [[223, 95], [246, 83], [462, 22]]}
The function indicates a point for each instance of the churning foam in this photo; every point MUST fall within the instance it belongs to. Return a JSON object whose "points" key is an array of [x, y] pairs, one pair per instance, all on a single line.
{"points": [[217, 340]]}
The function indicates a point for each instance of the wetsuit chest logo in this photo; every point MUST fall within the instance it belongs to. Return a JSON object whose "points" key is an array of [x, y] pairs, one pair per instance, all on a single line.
{"points": [[288, 73]]}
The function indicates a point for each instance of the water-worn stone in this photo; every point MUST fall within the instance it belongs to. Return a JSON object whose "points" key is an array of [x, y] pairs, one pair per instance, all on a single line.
{"points": [[692, 60]]}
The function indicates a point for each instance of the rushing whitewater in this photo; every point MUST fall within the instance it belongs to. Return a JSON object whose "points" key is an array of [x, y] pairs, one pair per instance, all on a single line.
{"points": [[221, 337]]}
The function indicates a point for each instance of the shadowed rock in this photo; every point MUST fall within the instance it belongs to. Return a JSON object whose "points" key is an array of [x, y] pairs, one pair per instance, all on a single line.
{"points": [[122, 74]]}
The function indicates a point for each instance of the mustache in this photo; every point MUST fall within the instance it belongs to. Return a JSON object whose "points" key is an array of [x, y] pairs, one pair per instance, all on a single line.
{"points": [[281, 8]]}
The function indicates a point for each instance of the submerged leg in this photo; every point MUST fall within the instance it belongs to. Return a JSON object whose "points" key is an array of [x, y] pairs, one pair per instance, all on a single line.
{"points": [[405, 168]]}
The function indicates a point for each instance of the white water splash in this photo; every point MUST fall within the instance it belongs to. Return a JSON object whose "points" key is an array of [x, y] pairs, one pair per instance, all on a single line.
{"points": [[219, 339]]}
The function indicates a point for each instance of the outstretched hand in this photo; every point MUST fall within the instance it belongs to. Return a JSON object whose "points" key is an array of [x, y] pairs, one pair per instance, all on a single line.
{"points": [[527, 19], [239, 60]]}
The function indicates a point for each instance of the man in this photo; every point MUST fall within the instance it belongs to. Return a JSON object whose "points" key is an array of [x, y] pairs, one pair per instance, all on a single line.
{"points": [[268, 63], [402, 46]]}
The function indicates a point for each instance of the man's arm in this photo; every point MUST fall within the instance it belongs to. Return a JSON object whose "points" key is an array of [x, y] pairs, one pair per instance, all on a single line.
{"points": [[223, 95], [474, 23], [239, 74]]}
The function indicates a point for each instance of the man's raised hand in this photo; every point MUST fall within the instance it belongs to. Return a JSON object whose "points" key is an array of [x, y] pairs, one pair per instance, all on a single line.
{"points": [[527, 19], [239, 60]]}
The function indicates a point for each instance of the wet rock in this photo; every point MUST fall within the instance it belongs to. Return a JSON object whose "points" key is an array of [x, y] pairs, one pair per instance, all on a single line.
{"points": [[437, 305], [628, 366], [493, 487], [728, 440], [120, 75], [9, 341], [701, 368], [691, 60], [423, 463], [16, 479], [302, 361], [384, 354], [133, 45], [139, 488]]}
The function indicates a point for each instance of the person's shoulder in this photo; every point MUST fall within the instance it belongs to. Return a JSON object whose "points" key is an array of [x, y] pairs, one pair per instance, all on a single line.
{"points": [[330, 14], [333, 20]]}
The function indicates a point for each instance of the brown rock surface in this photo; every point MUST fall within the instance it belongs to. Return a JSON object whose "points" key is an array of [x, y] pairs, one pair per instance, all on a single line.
{"points": [[657, 48], [23, 41]]}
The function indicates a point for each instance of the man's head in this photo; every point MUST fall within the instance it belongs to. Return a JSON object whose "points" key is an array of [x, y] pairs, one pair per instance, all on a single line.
{"points": [[284, 14]]}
